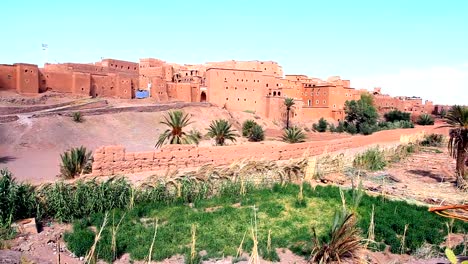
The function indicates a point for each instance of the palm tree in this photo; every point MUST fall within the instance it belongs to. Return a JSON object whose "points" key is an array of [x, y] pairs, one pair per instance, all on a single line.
{"points": [[425, 120], [457, 120], [176, 121], [288, 102], [293, 135], [221, 131]]}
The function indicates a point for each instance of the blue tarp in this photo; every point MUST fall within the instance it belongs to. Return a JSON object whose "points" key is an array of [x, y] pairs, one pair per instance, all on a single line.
{"points": [[142, 94]]}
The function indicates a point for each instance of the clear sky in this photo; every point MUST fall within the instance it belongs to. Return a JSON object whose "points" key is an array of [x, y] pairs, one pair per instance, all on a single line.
{"points": [[407, 47]]}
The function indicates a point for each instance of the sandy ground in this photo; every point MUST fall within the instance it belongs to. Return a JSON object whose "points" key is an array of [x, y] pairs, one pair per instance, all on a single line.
{"points": [[426, 177], [31, 147]]}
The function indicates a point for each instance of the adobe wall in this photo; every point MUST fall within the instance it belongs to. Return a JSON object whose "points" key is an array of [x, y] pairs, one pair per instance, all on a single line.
{"points": [[112, 160], [267, 67], [27, 78], [81, 83], [238, 90], [56, 81], [275, 110], [7, 77], [180, 92], [125, 87], [102, 67], [120, 65], [315, 113], [103, 86]]}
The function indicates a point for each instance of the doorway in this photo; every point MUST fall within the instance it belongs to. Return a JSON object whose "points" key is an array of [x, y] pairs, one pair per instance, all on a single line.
{"points": [[203, 97]]}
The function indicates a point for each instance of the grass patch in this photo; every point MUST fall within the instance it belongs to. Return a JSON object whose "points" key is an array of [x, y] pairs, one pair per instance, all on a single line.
{"points": [[281, 224], [77, 117], [372, 159], [432, 140]]}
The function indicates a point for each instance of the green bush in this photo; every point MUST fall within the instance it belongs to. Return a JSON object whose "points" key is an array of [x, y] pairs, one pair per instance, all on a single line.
{"points": [[367, 129], [332, 128], [406, 124], [395, 125], [397, 115], [247, 127], [65, 202], [321, 126], [17, 200], [76, 161], [432, 140], [80, 240], [386, 125], [256, 134], [351, 128], [341, 127], [372, 159], [425, 120], [293, 135]]}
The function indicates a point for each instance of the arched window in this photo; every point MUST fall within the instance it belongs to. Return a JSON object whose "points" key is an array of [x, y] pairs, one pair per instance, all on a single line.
{"points": [[274, 93]]}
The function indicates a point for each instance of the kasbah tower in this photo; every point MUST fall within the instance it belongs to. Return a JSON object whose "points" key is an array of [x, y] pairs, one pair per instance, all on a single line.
{"points": [[257, 86]]}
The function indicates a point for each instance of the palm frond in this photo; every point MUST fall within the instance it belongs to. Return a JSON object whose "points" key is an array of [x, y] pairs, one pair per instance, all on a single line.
{"points": [[221, 131], [289, 102], [293, 135], [176, 121], [76, 161]]}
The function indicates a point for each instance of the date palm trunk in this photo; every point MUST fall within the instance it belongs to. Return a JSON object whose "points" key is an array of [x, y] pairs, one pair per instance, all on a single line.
{"points": [[461, 160]]}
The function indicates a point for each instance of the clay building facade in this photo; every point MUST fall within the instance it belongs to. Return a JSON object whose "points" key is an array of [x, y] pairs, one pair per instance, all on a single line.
{"points": [[20, 77], [253, 86], [413, 105]]}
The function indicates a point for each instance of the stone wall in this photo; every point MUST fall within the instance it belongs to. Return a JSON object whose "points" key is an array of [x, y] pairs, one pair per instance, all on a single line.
{"points": [[110, 160]]}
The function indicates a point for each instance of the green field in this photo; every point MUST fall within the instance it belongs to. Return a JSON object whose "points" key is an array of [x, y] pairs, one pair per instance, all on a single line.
{"points": [[222, 221]]}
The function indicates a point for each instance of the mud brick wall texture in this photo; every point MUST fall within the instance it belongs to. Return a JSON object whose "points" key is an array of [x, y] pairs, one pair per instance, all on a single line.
{"points": [[115, 160]]}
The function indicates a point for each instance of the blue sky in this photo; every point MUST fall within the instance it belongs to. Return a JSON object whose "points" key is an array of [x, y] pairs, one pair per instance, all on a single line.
{"points": [[406, 47]]}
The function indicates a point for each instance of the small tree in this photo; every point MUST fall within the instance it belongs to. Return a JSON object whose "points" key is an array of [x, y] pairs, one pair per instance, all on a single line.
{"points": [[256, 134], [289, 103], [221, 131], [293, 135], [425, 120], [341, 127], [359, 112], [176, 121], [351, 128], [321, 126], [247, 127]]}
